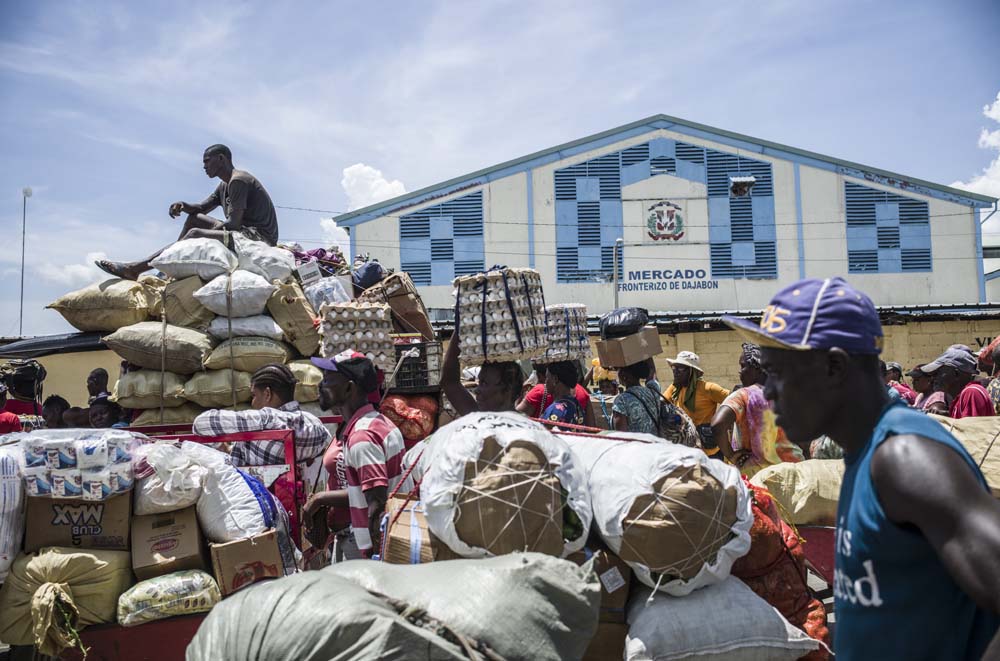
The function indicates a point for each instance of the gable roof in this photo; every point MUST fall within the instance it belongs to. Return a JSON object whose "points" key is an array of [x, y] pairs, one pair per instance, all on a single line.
{"points": [[647, 125]]}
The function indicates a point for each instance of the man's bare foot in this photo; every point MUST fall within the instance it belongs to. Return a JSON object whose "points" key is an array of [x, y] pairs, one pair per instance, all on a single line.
{"points": [[122, 270]]}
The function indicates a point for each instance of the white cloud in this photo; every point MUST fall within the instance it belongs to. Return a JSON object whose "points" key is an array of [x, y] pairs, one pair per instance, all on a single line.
{"points": [[73, 275], [365, 185], [336, 236], [987, 182]]}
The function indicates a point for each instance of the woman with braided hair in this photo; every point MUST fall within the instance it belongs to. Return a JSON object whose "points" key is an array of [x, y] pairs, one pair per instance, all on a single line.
{"points": [[757, 442]]}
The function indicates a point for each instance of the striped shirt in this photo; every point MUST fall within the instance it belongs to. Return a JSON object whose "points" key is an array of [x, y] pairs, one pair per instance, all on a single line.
{"points": [[311, 435], [374, 451]]}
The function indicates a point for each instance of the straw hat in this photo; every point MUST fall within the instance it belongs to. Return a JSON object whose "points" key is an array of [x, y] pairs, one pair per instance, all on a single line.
{"points": [[688, 359]]}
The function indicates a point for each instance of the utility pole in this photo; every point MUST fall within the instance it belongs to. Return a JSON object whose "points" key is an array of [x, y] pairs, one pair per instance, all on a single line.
{"points": [[619, 243], [25, 194]]}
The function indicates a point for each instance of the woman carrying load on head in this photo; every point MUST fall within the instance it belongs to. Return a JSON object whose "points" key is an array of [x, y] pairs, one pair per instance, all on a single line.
{"points": [[561, 380], [497, 389], [757, 442], [642, 408]]}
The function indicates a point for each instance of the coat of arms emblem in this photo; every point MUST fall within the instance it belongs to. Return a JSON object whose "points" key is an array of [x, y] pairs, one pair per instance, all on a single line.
{"points": [[665, 222]]}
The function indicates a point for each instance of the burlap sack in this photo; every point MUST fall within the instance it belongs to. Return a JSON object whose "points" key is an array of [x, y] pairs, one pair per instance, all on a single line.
{"points": [[141, 389], [807, 492], [980, 438], [105, 306], [408, 312], [289, 307], [308, 377], [214, 388], [85, 585], [248, 354], [506, 485], [178, 415], [182, 308], [141, 344]]}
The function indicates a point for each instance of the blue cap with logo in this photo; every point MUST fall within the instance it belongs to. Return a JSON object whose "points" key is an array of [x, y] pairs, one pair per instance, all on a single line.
{"points": [[816, 314]]}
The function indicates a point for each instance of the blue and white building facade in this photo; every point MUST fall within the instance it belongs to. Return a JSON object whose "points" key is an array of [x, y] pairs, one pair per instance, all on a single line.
{"points": [[701, 219]]}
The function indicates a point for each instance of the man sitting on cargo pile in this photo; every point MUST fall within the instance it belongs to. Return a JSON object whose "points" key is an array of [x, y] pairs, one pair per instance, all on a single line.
{"points": [[245, 203], [538, 399], [372, 448], [953, 372], [918, 533], [698, 398]]}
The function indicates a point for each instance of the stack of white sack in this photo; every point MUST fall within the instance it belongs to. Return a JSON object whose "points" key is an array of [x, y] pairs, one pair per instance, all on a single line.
{"points": [[227, 312], [494, 483], [93, 464], [678, 518]]}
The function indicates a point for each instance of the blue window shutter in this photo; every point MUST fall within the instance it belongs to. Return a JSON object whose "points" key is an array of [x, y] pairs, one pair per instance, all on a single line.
{"points": [[763, 218], [887, 213], [914, 236], [566, 222], [415, 250], [661, 147], [443, 271], [589, 258], [611, 221], [468, 249], [690, 171], [886, 232], [889, 261], [430, 238], [743, 253], [635, 172], [442, 228]]}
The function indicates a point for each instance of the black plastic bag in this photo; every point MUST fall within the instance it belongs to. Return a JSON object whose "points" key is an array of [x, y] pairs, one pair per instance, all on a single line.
{"points": [[623, 321]]}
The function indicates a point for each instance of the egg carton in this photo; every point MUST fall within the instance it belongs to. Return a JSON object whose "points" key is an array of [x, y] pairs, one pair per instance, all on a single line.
{"points": [[501, 316], [566, 330], [358, 326]]}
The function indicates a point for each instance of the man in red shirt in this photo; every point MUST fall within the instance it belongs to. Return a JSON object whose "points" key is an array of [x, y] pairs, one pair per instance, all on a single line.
{"points": [[9, 422], [538, 399], [953, 372], [372, 446]]}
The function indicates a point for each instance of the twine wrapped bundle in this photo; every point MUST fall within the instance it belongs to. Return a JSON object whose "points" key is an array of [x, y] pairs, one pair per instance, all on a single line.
{"points": [[361, 326], [566, 329]]}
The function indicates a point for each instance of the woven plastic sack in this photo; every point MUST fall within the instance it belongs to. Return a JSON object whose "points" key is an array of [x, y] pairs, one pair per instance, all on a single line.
{"points": [[415, 415], [141, 344], [180, 306], [248, 354], [43, 590], [726, 621], [523, 605], [775, 570], [141, 389], [249, 294], [259, 325], [979, 436], [678, 518], [314, 616], [179, 593], [12, 502], [230, 506], [289, 307], [104, 306], [205, 258], [177, 415], [167, 479], [494, 483], [270, 262], [308, 378], [807, 492], [326, 290], [214, 388]]}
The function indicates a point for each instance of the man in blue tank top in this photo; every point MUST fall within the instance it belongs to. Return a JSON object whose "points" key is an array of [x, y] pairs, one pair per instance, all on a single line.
{"points": [[918, 534]]}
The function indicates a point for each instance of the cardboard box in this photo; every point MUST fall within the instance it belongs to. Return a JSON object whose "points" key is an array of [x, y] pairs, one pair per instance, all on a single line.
{"points": [[165, 543], [607, 643], [246, 561], [398, 545], [78, 523], [631, 349], [615, 576]]}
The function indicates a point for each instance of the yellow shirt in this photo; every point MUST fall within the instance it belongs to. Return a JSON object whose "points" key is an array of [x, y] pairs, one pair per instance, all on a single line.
{"points": [[707, 397]]}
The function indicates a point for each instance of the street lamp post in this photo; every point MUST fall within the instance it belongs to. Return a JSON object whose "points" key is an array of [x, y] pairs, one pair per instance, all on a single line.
{"points": [[25, 194]]}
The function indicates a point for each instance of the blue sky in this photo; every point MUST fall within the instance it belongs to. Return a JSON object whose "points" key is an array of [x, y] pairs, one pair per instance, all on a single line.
{"points": [[106, 107]]}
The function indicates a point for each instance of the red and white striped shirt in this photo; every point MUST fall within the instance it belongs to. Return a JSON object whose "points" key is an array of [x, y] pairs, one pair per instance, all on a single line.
{"points": [[374, 454]]}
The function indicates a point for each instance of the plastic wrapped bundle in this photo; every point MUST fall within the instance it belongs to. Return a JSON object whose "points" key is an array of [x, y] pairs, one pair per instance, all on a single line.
{"points": [[11, 506], [524, 606], [566, 329], [359, 326], [494, 483], [678, 518], [501, 316], [179, 593], [93, 464]]}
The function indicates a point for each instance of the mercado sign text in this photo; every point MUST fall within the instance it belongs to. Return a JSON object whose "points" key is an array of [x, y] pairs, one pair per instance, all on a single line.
{"points": [[667, 280]]}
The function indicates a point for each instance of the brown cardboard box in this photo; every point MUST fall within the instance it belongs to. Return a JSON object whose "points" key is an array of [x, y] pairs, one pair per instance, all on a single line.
{"points": [[631, 349], [165, 543], [607, 643], [246, 561], [615, 576], [77, 523], [411, 524]]}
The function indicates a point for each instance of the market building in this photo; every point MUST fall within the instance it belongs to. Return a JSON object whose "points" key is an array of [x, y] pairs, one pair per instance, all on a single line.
{"points": [[699, 221]]}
